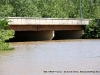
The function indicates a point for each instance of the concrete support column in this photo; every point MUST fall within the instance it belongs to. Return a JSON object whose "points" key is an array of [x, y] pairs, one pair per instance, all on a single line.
{"points": [[39, 35]]}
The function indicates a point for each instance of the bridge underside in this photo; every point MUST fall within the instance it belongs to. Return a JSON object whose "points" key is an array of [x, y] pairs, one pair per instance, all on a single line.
{"points": [[46, 32]]}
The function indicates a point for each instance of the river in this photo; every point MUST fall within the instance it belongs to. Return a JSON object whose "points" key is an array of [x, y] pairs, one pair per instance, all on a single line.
{"points": [[60, 57]]}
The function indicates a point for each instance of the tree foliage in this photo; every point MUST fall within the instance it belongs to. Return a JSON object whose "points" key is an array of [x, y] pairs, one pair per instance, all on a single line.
{"points": [[50, 8], [5, 35], [93, 29]]}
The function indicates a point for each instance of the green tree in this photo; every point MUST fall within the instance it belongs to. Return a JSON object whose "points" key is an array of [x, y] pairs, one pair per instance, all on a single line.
{"points": [[24, 8], [92, 30], [89, 9], [5, 8], [5, 35], [50, 8]]}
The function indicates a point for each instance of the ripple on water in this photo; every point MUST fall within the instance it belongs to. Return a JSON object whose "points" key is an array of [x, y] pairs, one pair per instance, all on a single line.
{"points": [[32, 58]]}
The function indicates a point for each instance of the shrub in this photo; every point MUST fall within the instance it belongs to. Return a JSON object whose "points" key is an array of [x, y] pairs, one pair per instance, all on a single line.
{"points": [[5, 35], [92, 30]]}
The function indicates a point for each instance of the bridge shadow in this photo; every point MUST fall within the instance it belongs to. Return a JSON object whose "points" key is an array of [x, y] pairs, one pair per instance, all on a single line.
{"points": [[22, 36], [18, 38]]}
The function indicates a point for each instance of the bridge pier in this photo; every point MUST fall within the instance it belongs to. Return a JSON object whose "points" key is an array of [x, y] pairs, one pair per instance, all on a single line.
{"points": [[39, 35]]}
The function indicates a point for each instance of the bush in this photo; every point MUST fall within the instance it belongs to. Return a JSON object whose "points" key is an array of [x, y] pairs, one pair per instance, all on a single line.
{"points": [[92, 30], [5, 35]]}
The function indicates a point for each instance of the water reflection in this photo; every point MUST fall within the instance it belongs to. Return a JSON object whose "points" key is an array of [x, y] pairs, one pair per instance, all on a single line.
{"points": [[33, 58]]}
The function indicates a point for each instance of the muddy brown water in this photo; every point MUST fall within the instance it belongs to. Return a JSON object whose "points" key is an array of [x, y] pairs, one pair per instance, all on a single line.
{"points": [[64, 57]]}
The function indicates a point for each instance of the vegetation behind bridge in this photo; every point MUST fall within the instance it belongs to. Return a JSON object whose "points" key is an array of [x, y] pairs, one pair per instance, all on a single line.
{"points": [[50, 8]]}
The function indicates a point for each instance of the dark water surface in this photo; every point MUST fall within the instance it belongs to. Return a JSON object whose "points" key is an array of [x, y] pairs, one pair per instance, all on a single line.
{"points": [[64, 57]]}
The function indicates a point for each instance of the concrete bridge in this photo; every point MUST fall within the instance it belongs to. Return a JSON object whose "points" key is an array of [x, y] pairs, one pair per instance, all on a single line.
{"points": [[47, 28]]}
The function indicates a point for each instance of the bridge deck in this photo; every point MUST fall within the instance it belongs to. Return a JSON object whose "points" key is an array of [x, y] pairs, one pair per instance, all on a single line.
{"points": [[37, 24], [47, 21]]}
